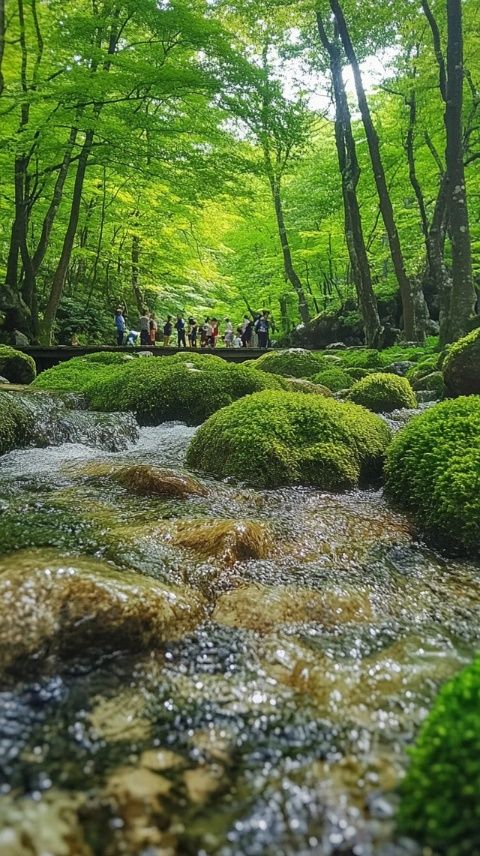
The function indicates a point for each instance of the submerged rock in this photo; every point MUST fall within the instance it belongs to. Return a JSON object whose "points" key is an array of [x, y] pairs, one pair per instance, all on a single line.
{"points": [[228, 540], [54, 606], [50, 827], [144, 479], [263, 609]]}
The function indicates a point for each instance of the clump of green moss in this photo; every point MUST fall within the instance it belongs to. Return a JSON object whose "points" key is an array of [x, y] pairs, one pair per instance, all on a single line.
{"points": [[279, 438], [382, 393], [334, 379], [439, 806], [357, 373], [15, 423], [159, 389], [364, 358], [15, 366], [294, 362], [461, 367], [423, 368], [433, 383], [433, 471]]}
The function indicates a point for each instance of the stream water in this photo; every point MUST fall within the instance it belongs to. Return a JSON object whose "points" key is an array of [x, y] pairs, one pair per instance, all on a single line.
{"points": [[278, 720]]}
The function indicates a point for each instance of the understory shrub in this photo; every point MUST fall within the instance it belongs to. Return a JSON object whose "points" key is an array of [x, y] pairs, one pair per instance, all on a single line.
{"points": [[334, 379], [382, 393], [433, 471], [294, 362], [440, 807], [278, 438], [461, 367], [187, 387], [15, 366]]}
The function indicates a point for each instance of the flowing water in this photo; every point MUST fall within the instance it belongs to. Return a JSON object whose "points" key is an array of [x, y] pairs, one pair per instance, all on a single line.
{"points": [[272, 716]]}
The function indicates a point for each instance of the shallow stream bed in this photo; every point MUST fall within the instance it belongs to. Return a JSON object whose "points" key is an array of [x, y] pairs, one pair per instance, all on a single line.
{"points": [[275, 716]]}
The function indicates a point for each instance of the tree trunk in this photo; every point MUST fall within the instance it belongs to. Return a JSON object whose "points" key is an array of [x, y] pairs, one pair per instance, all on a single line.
{"points": [[135, 274], [350, 175], [289, 268], [462, 302], [379, 175], [62, 267]]}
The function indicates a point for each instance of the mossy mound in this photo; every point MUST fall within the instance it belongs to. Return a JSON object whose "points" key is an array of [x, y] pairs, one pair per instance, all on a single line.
{"points": [[382, 393], [433, 383], [461, 367], [301, 384], [15, 423], [423, 368], [367, 358], [294, 362], [159, 389], [440, 807], [278, 438], [15, 366], [357, 373], [433, 470], [334, 379]]}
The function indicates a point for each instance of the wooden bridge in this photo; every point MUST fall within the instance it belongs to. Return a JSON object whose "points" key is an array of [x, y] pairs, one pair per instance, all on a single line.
{"points": [[45, 358]]}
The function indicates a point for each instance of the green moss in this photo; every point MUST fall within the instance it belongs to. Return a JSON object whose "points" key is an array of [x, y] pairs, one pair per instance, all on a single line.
{"points": [[15, 366], [423, 368], [159, 389], [292, 363], [15, 423], [433, 382], [433, 470], [461, 366], [276, 438], [357, 373], [365, 358], [334, 379], [383, 393], [440, 807]]}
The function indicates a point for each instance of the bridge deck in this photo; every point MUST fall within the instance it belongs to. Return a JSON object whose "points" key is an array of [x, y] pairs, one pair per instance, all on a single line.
{"points": [[45, 358]]}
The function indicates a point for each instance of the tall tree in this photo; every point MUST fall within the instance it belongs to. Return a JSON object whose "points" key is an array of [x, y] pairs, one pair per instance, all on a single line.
{"points": [[462, 301], [350, 175], [386, 207]]}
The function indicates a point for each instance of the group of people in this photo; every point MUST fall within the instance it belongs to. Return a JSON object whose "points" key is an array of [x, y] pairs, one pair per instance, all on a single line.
{"points": [[254, 331]]}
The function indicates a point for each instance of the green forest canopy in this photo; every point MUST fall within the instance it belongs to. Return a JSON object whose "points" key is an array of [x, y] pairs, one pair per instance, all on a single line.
{"points": [[207, 157]]}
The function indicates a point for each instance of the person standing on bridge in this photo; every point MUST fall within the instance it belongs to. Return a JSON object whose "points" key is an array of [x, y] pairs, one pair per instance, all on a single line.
{"points": [[145, 328], [120, 326], [180, 328]]}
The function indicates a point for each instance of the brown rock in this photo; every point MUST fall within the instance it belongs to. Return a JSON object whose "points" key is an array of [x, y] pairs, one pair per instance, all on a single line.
{"points": [[229, 540], [202, 783], [51, 605], [263, 608], [147, 480]]}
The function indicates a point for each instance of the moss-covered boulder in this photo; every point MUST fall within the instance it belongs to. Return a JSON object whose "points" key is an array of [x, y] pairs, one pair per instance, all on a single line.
{"points": [[440, 794], [278, 438], [294, 362], [15, 366], [301, 384], [382, 393], [15, 423], [461, 367], [187, 387], [433, 471], [334, 379], [56, 607], [422, 369], [432, 382]]}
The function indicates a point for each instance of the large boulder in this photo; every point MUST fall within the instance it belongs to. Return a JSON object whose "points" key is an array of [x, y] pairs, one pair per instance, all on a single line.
{"points": [[439, 806], [461, 367], [278, 438], [15, 366], [186, 387], [433, 471], [382, 393], [58, 607]]}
